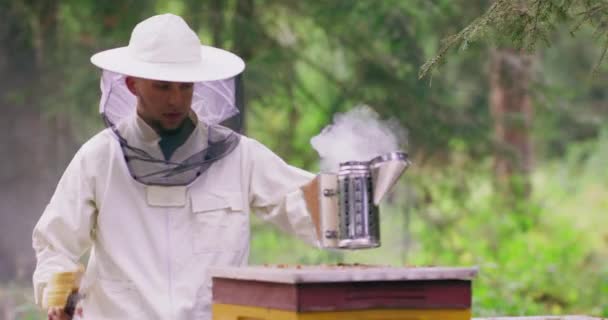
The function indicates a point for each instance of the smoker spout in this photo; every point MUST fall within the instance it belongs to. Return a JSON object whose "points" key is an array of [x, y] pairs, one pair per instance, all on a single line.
{"points": [[386, 170]]}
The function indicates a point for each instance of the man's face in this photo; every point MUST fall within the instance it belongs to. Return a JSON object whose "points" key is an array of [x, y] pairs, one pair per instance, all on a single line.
{"points": [[161, 104]]}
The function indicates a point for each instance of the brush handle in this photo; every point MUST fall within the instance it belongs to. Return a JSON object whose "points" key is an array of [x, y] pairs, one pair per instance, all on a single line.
{"points": [[70, 305]]}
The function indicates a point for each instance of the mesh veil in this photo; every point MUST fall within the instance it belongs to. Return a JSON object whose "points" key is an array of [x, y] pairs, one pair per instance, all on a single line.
{"points": [[212, 101]]}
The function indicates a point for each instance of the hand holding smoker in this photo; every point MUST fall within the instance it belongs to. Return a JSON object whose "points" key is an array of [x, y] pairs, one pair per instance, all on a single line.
{"points": [[344, 206]]}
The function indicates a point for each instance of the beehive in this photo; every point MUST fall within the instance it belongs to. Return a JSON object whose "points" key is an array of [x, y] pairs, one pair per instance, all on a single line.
{"points": [[342, 292]]}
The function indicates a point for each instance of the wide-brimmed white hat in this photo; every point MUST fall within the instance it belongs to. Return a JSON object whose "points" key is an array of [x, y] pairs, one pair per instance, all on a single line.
{"points": [[163, 47]]}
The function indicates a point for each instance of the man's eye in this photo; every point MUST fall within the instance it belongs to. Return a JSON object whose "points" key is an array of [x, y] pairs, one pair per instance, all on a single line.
{"points": [[162, 86], [187, 86]]}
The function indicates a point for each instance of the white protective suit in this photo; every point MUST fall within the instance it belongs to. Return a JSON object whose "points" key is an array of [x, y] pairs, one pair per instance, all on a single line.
{"points": [[149, 261]]}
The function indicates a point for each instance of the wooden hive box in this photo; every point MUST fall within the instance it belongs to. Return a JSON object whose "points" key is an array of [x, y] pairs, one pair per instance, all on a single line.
{"points": [[342, 292]]}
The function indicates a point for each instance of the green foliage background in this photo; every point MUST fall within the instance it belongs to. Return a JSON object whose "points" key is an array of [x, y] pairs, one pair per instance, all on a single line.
{"points": [[307, 60]]}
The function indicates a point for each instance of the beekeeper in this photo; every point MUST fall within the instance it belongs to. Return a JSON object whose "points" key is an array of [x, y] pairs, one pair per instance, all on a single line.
{"points": [[164, 192]]}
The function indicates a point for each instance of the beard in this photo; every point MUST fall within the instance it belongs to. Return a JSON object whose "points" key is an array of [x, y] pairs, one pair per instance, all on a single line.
{"points": [[162, 131], [157, 124]]}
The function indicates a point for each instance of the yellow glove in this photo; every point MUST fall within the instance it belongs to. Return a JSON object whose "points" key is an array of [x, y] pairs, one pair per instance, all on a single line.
{"points": [[311, 196], [60, 286]]}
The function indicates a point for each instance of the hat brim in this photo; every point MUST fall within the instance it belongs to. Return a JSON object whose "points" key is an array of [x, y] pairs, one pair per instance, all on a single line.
{"points": [[215, 64]]}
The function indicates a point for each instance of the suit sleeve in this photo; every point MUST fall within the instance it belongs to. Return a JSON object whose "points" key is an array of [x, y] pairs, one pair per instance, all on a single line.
{"points": [[275, 194], [64, 231]]}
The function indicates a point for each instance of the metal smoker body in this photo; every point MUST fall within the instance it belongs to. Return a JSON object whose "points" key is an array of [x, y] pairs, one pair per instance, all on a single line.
{"points": [[349, 200], [358, 215]]}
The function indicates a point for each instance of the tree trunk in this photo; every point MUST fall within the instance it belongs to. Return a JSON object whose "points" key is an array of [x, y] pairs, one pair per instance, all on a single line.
{"points": [[243, 46], [36, 148], [512, 113], [217, 22]]}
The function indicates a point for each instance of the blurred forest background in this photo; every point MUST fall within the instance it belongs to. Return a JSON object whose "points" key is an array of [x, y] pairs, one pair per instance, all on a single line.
{"points": [[510, 147]]}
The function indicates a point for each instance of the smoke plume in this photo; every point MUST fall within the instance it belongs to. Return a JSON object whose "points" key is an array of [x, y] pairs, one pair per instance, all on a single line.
{"points": [[357, 135]]}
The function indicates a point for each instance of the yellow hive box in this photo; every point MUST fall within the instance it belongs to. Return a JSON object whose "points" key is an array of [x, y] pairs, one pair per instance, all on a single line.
{"points": [[236, 312]]}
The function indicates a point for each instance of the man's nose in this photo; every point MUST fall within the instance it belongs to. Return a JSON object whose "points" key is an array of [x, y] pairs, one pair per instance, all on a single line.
{"points": [[175, 96]]}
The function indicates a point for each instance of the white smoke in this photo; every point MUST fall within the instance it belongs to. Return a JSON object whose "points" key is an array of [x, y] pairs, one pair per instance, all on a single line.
{"points": [[357, 135]]}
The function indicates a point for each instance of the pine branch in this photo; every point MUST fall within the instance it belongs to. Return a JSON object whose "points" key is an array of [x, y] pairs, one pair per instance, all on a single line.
{"points": [[462, 38], [596, 68], [524, 23]]}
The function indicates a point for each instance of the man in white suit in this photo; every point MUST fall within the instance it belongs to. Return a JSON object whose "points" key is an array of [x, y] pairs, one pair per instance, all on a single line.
{"points": [[164, 192]]}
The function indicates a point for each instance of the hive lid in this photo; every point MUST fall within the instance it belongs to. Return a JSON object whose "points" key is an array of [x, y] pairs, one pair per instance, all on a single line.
{"points": [[312, 274]]}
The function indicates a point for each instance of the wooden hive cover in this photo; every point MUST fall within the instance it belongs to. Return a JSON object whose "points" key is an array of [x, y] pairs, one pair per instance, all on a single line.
{"points": [[333, 288]]}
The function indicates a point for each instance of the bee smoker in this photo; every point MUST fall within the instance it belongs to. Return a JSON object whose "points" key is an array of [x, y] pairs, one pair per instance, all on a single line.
{"points": [[348, 200]]}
